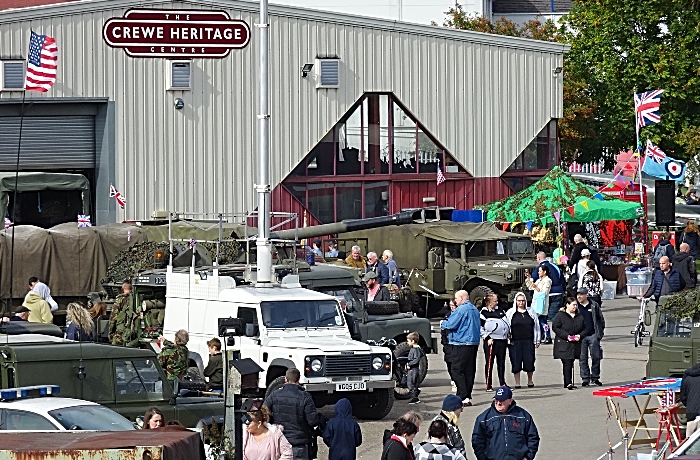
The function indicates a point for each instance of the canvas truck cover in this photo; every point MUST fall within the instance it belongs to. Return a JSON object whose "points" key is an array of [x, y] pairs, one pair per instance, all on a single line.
{"points": [[167, 443], [71, 260], [37, 181]]}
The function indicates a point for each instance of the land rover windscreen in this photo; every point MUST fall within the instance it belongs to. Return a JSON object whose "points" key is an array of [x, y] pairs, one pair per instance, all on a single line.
{"points": [[301, 314]]}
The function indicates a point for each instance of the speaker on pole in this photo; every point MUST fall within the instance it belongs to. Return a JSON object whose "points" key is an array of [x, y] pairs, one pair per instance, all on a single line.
{"points": [[665, 202]]}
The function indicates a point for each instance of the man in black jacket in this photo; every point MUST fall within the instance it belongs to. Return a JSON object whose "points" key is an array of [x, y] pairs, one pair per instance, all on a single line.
{"points": [[579, 246], [685, 264], [293, 408], [690, 392], [375, 292]]}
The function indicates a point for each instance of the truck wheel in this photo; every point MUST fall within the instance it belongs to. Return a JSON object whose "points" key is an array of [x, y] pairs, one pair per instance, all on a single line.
{"points": [[382, 308], [402, 350], [477, 295], [374, 406], [276, 384], [193, 375]]}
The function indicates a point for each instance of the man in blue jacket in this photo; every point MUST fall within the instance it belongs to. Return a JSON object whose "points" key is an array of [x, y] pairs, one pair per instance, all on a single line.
{"points": [[556, 293], [666, 280], [464, 328], [505, 430]]}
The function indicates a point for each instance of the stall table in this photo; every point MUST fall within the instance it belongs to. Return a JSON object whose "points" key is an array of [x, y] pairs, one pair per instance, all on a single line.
{"points": [[615, 273]]}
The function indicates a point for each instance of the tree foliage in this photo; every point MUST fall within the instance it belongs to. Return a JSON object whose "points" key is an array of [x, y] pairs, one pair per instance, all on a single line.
{"points": [[618, 48]]}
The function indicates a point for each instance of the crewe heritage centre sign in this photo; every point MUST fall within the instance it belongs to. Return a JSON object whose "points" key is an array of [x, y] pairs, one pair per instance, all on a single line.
{"points": [[176, 33]]}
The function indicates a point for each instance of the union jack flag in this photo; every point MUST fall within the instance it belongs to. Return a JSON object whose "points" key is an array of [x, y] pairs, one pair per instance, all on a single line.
{"points": [[193, 242], [84, 221], [646, 107], [8, 223], [113, 193], [440, 176], [655, 152]]}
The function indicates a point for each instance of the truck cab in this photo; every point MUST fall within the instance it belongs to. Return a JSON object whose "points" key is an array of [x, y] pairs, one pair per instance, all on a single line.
{"points": [[674, 343], [283, 326]]}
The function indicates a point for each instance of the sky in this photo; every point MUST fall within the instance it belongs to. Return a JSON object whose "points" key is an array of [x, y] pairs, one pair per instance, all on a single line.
{"points": [[418, 11]]}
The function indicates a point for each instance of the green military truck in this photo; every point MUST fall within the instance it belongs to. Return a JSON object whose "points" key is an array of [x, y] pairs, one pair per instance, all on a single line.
{"points": [[127, 380]]}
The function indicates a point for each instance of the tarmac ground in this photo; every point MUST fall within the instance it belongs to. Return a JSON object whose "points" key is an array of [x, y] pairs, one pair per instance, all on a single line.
{"points": [[573, 425]]}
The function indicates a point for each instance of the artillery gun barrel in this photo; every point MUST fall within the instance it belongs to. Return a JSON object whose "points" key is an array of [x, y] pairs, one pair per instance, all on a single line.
{"points": [[403, 217]]}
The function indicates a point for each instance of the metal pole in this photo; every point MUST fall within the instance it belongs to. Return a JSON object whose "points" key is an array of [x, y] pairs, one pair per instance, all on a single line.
{"points": [[232, 424], [626, 445], [264, 253]]}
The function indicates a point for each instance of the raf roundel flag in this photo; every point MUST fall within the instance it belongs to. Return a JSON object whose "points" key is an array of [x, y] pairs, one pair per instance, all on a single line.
{"points": [[658, 164], [41, 63]]}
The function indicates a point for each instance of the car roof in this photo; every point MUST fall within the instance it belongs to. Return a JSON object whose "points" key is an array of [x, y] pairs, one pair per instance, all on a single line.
{"points": [[31, 338], [44, 404], [253, 295], [69, 350]]}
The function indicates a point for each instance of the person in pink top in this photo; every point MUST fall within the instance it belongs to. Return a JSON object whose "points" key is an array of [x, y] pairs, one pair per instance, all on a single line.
{"points": [[263, 440]]}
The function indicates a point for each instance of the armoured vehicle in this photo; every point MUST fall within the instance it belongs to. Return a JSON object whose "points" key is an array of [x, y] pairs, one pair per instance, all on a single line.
{"points": [[282, 326], [437, 257], [127, 380]]}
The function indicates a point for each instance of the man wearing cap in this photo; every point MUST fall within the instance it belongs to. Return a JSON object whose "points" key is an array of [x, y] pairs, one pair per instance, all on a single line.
{"points": [[581, 267], [375, 292], [590, 338], [21, 314], [505, 430], [464, 334]]}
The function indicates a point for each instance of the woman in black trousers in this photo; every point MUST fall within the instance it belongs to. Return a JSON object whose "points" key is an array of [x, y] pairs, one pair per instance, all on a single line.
{"points": [[568, 327]]}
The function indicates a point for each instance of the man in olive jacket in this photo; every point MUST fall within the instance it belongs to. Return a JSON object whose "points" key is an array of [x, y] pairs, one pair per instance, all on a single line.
{"points": [[294, 409]]}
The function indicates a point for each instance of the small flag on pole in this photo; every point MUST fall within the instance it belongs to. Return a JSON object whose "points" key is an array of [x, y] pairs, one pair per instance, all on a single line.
{"points": [[128, 235], [557, 215], [440, 176], [113, 193], [193, 243], [646, 107], [41, 63], [8, 223], [84, 221]]}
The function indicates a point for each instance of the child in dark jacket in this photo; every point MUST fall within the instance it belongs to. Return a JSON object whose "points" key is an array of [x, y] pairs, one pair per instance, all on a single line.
{"points": [[413, 366], [342, 434]]}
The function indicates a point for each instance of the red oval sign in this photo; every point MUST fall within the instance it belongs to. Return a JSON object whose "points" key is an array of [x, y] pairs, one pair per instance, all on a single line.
{"points": [[176, 33]]}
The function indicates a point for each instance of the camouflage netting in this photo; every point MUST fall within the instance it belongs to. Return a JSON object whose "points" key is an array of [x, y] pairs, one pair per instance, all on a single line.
{"points": [[132, 260]]}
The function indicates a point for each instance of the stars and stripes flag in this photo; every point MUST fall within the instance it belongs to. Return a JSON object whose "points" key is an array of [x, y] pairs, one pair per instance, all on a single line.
{"points": [[8, 223], [84, 221], [440, 176], [113, 193], [646, 107], [41, 63], [655, 152]]}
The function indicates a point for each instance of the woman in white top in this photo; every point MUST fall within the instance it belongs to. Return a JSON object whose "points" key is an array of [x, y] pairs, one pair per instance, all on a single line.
{"points": [[541, 305]]}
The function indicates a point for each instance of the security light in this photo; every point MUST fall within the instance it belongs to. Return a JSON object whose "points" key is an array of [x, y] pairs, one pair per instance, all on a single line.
{"points": [[306, 69], [557, 70]]}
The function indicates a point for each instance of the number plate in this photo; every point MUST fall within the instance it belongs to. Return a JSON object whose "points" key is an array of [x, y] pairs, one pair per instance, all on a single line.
{"points": [[351, 386]]}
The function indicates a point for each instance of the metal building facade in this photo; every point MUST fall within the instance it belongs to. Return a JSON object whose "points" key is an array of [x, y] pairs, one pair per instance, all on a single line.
{"points": [[484, 97]]}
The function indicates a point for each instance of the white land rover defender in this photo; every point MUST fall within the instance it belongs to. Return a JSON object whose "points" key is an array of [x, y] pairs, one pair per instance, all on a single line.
{"points": [[284, 326]]}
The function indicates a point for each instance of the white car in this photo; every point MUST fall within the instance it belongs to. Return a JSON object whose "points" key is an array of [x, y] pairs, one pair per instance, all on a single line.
{"points": [[33, 408]]}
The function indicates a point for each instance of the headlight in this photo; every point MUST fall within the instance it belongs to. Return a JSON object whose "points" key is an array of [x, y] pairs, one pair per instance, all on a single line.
{"points": [[316, 365], [381, 364], [313, 366], [509, 276], [377, 363]]}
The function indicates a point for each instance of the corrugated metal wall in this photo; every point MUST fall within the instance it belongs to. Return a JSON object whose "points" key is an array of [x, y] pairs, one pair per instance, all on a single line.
{"points": [[484, 97]]}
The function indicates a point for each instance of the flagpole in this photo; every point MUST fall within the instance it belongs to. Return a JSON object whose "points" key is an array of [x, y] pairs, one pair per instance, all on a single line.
{"points": [[641, 183], [14, 198]]}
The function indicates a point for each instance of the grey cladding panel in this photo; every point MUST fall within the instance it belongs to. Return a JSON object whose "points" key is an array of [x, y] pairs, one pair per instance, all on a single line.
{"points": [[63, 142], [13, 75], [329, 72]]}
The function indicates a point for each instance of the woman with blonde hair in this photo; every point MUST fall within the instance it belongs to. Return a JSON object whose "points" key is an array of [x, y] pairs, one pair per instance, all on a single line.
{"points": [[79, 323], [262, 440], [691, 236]]}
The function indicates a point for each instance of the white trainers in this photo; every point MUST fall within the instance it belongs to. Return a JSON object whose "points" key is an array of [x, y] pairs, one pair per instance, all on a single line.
{"points": [[466, 402], [454, 387]]}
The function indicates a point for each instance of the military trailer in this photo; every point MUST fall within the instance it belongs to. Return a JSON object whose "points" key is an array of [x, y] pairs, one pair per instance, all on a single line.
{"points": [[437, 259], [127, 380]]}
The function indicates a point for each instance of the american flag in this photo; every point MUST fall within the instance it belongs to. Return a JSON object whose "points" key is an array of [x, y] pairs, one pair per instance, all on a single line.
{"points": [[440, 176], [41, 63], [8, 223], [113, 193], [655, 152], [646, 107], [84, 221]]}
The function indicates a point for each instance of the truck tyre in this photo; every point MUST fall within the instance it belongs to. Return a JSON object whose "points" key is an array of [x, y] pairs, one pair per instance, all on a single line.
{"points": [[382, 308], [375, 405], [276, 384], [477, 295], [193, 375], [402, 349]]}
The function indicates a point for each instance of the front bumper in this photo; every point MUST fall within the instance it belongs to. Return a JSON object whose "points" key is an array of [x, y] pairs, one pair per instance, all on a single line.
{"points": [[330, 387]]}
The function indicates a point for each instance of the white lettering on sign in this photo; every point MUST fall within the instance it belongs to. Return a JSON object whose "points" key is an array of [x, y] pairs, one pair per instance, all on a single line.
{"points": [[117, 32], [175, 33], [217, 34]]}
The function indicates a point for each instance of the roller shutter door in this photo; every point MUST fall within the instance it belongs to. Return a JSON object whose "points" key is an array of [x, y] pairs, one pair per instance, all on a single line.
{"points": [[48, 143]]}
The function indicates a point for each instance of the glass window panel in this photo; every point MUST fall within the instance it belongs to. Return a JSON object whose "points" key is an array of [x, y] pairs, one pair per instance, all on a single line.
{"points": [[321, 157], [298, 190], [349, 201], [429, 154], [404, 142], [553, 141], [321, 202], [376, 199], [350, 143], [376, 120], [19, 420]]}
